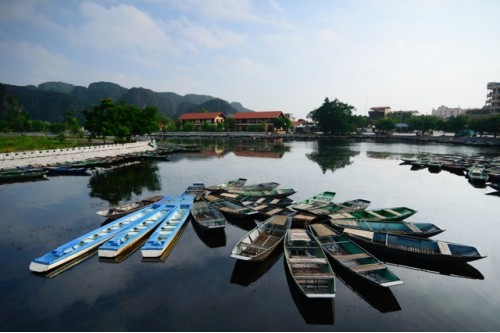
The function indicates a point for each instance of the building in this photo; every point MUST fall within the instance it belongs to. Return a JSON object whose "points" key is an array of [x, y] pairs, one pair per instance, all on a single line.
{"points": [[446, 112], [377, 112], [202, 118], [245, 121], [493, 97]]}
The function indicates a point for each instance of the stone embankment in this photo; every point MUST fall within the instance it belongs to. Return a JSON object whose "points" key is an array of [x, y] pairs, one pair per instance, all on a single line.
{"points": [[54, 156]]}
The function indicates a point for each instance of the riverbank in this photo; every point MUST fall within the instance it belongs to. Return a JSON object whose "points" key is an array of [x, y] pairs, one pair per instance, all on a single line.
{"points": [[55, 156]]}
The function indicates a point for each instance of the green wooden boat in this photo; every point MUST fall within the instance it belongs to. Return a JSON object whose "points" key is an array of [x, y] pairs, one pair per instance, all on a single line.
{"points": [[20, 174], [416, 229], [383, 214], [274, 193], [318, 200], [342, 207], [352, 257]]}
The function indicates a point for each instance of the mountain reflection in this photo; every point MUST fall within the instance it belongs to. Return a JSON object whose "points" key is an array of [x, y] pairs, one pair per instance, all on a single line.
{"points": [[332, 155], [118, 184]]}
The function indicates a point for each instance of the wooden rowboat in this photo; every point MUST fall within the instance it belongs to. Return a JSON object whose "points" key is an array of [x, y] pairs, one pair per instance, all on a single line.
{"points": [[260, 242], [416, 229], [207, 216], [342, 207], [422, 249], [352, 257], [91, 240], [119, 211], [318, 200], [197, 190], [383, 214], [308, 265]]}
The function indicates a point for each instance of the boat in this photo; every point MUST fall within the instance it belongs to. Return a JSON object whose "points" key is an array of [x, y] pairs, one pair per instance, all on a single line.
{"points": [[275, 193], [352, 257], [280, 202], [20, 174], [230, 208], [318, 200], [207, 216], [122, 210], [342, 207], [234, 183], [259, 187], [126, 239], [197, 190], [416, 229], [477, 174], [435, 165], [163, 239], [91, 240], [260, 242], [66, 170], [423, 249], [308, 265], [383, 214]]}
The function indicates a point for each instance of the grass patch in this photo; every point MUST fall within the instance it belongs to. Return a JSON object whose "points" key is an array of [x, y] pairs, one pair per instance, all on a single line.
{"points": [[17, 143]]}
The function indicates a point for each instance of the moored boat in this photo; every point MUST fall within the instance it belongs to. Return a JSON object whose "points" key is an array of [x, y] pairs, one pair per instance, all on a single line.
{"points": [[260, 242], [342, 207], [274, 193], [66, 170], [308, 265], [352, 257], [417, 248], [91, 240], [197, 190], [477, 174], [207, 216], [20, 174], [230, 208], [233, 183], [382, 214], [416, 229], [128, 238], [318, 200], [122, 210], [168, 232]]}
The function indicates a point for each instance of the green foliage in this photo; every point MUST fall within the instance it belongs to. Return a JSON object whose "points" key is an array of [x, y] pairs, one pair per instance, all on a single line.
{"points": [[385, 124], [229, 124], [187, 126], [489, 124], [282, 123], [423, 123], [456, 124], [333, 117]]}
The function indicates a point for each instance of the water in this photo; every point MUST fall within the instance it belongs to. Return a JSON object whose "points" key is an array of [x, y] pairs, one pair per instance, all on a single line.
{"points": [[199, 287]]}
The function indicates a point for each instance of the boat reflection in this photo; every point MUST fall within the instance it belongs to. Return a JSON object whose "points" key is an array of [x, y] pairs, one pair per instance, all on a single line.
{"points": [[463, 270], [380, 298], [211, 238], [170, 247], [315, 311], [62, 268], [247, 223], [247, 272]]}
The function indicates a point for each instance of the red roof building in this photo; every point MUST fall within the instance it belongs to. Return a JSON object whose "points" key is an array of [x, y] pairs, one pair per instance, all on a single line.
{"points": [[244, 120], [199, 119]]}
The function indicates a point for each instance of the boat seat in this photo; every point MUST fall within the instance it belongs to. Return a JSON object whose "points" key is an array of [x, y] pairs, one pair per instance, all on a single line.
{"points": [[392, 212], [347, 257], [306, 260], [378, 215], [412, 227], [444, 248], [253, 246], [367, 268]]}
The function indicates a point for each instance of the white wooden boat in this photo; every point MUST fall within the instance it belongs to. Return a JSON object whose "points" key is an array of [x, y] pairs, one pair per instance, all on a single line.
{"points": [[91, 240], [352, 257], [260, 242], [207, 216], [308, 264], [166, 235], [128, 238], [122, 210]]}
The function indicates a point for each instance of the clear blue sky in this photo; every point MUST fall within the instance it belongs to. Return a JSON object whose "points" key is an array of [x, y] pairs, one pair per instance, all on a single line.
{"points": [[267, 54]]}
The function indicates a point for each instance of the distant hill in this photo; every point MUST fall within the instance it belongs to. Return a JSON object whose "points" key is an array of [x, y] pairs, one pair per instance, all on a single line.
{"points": [[51, 101]]}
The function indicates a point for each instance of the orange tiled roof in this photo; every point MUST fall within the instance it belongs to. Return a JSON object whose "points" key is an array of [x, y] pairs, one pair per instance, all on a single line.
{"points": [[201, 115], [257, 115]]}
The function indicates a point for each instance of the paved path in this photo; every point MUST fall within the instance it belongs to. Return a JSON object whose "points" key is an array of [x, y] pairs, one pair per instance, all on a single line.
{"points": [[53, 156]]}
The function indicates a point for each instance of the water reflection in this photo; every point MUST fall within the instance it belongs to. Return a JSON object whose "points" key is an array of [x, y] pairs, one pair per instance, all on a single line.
{"points": [[211, 238], [118, 184], [331, 156], [246, 223], [383, 155], [314, 311], [62, 268], [247, 272]]}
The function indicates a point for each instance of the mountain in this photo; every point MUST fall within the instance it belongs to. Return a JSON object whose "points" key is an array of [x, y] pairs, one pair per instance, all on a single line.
{"points": [[50, 101]]}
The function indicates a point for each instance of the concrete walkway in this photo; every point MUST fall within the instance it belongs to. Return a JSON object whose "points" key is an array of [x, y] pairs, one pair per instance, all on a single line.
{"points": [[53, 156]]}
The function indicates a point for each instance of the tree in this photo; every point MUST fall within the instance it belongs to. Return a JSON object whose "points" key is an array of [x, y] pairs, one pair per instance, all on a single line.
{"points": [[385, 124], [333, 117], [230, 124], [281, 123], [423, 123], [456, 124]]}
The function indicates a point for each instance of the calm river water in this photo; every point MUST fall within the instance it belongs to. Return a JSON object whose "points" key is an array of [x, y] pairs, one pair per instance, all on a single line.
{"points": [[199, 287]]}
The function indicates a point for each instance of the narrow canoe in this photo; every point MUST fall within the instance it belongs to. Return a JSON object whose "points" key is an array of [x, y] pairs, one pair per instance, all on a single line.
{"points": [[234, 183], [318, 200], [230, 208], [308, 265], [91, 240], [128, 238], [274, 193], [416, 229], [207, 216], [197, 190], [383, 214], [352, 257], [260, 242], [342, 207], [122, 210], [422, 249], [166, 235]]}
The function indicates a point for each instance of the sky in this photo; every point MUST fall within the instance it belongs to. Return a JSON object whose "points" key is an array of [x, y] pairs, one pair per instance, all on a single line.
{"points": [[269, 55]]}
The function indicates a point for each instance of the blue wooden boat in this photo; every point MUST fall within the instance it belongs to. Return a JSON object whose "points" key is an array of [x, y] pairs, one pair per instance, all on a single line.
{"points": [[352, 257], [131, 236], [416, 229], [423, 249], [91, 240], [66, 170], [166, 235]]}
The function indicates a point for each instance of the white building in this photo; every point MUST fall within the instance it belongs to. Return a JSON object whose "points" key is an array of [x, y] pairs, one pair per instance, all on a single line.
{"points": [[493, 97], [446, 112]]}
